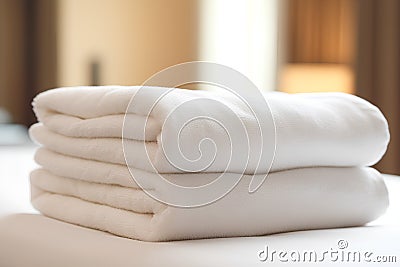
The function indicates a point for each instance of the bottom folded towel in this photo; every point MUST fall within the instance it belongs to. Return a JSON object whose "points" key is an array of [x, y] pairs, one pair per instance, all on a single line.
{"points": [[300, 199]]}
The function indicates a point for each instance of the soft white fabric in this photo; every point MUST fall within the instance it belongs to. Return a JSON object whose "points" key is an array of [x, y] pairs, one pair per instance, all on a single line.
{"points": [[85, 180], [308, 198], [325, 129], [114, 174]]}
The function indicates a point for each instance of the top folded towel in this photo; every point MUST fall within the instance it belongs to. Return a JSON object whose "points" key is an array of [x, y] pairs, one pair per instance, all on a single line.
{"points": [[318, 129]]}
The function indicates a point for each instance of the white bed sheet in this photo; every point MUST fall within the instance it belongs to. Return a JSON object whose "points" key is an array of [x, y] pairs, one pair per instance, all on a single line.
{"points": [[15, 164], [35, 240]]}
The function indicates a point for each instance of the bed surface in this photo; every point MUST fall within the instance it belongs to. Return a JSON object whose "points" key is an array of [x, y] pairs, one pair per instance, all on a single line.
{"points": [[34, 240], [28, 239]]}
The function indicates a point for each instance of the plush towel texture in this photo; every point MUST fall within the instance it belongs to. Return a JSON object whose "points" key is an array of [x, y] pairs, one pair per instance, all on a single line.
{"points": [[318, 178], [309, 198], [325, 129]]}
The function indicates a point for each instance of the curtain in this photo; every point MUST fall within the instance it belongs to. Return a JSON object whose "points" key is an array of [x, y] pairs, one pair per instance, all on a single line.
{"points": [[378, 68], [27, 54], [320, 31]]}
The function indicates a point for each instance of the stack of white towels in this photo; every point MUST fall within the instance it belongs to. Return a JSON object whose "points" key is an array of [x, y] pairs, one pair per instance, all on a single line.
{"points": [[104, 154]]}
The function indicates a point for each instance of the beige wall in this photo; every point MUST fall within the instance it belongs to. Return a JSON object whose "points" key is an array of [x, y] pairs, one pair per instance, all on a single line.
{"points": [[131, 39]]}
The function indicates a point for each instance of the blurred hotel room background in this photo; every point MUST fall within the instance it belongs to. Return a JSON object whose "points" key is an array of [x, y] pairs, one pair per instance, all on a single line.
{"points": [[293, 46]]}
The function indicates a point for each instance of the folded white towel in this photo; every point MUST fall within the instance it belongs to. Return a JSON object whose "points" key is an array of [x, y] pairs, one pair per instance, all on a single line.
{"points": [[113, 174], [309, 198], [326, 129], [85, 180]]}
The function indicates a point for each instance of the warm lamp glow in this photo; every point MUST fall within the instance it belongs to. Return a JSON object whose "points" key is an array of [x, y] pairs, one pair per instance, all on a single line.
{"points": [[302, 78]]}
